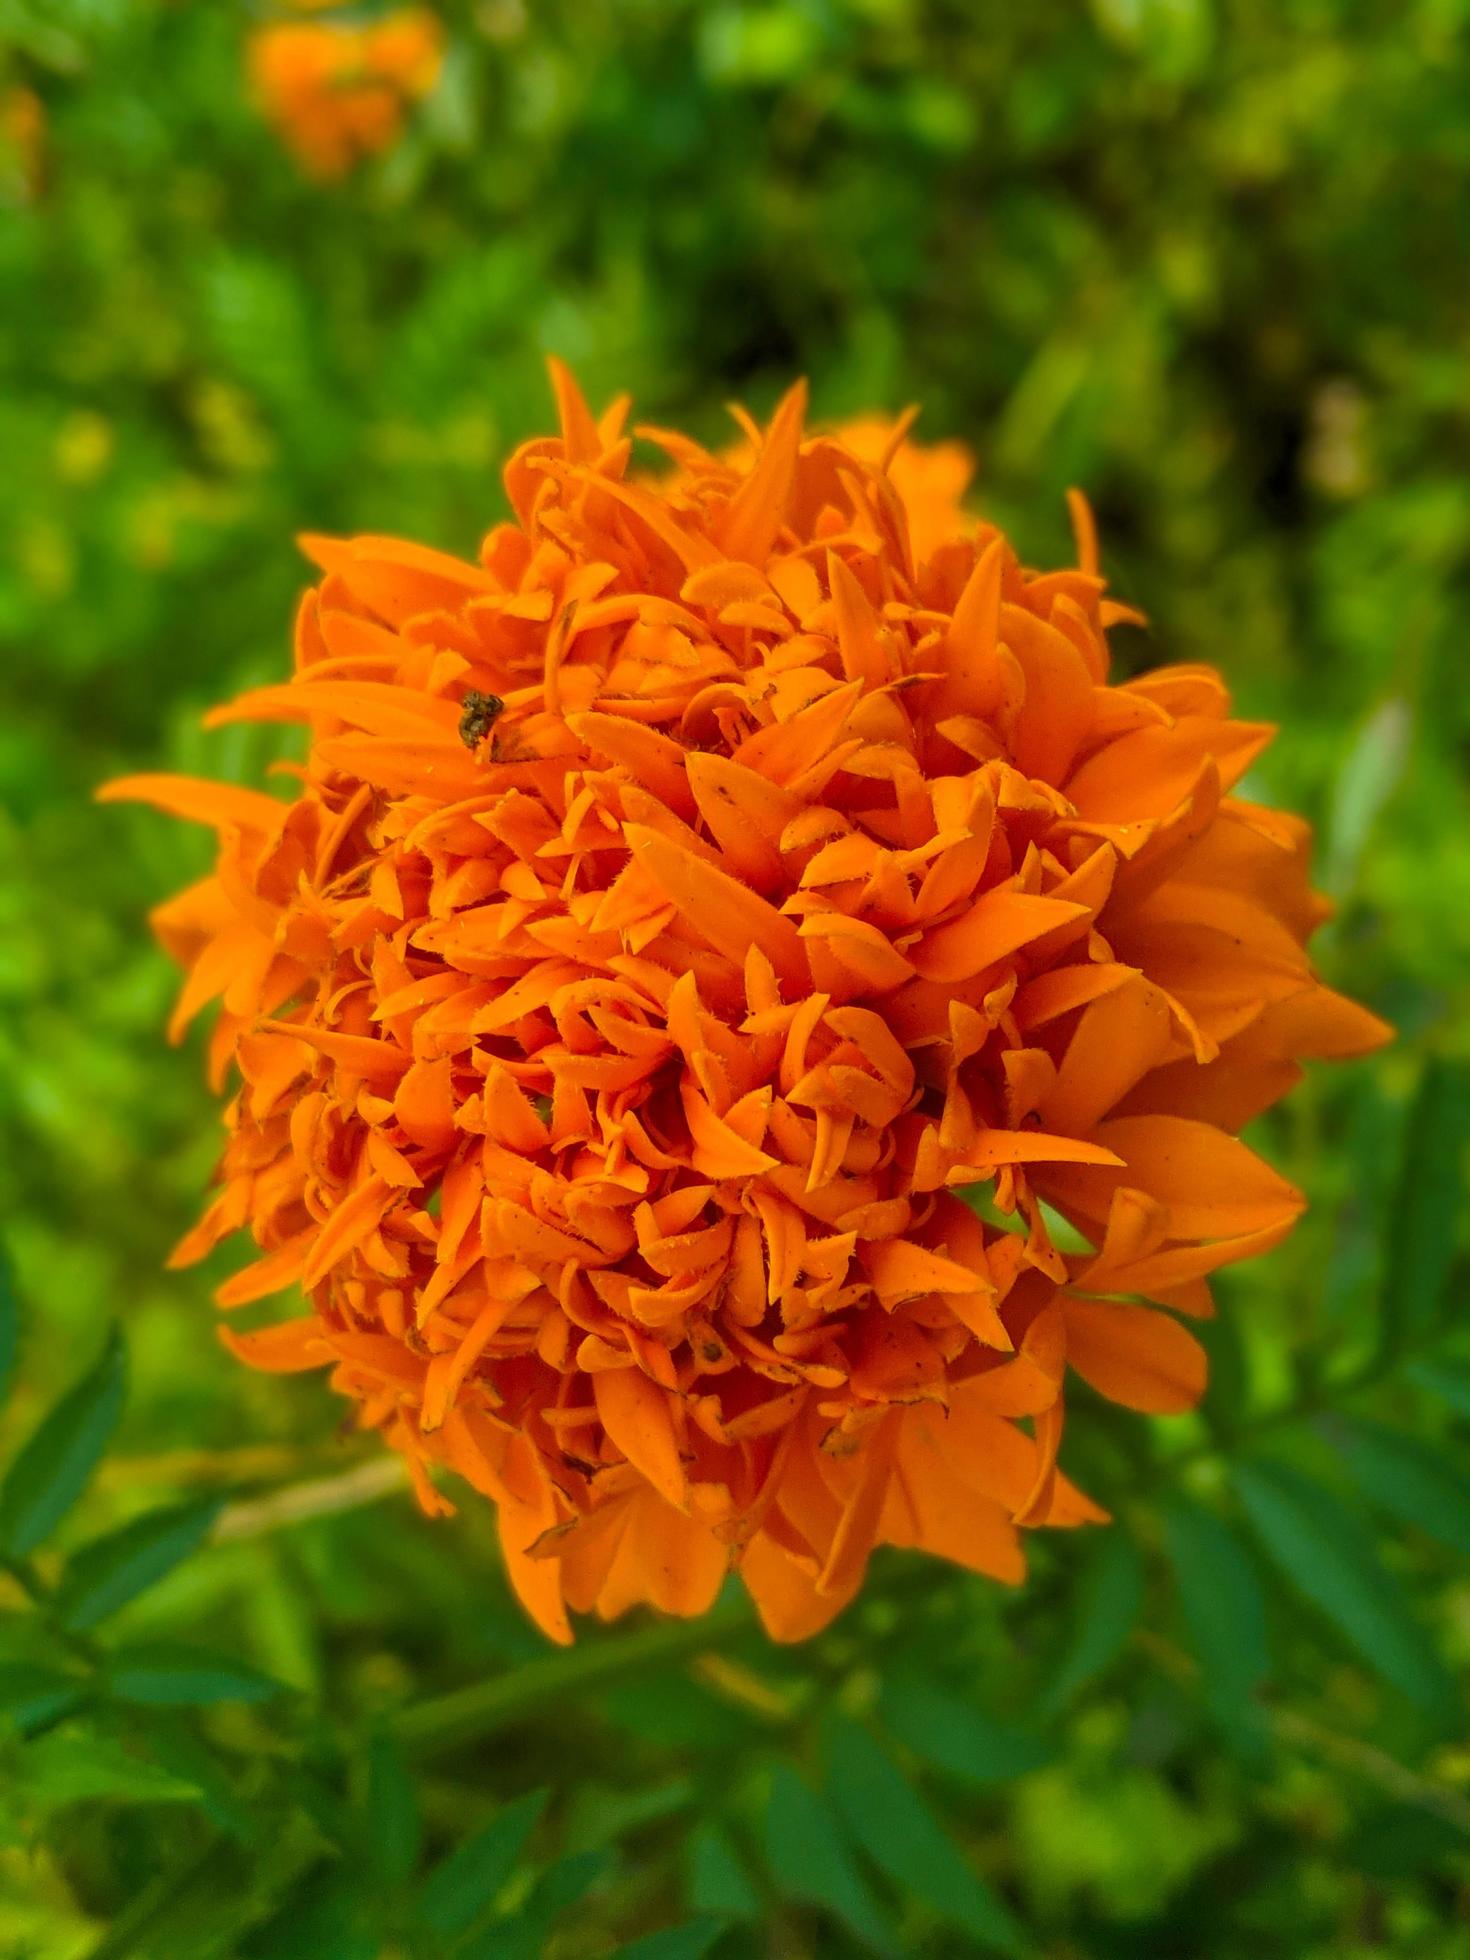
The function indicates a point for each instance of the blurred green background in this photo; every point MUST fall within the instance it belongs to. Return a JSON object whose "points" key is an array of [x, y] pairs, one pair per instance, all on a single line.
{"points": [[1203, 257]]}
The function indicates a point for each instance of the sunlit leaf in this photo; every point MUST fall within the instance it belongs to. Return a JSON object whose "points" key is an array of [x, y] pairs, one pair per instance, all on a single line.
{"points": [[53, 1469], [811, 1863], [104, 1575], [469, 1878], [162, 1675], [938, 1724], [892, 1823], [1324, 1553], [1225, 1612], [63, 1768]]}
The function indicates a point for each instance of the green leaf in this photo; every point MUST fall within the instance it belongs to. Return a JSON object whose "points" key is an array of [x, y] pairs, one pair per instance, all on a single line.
{"points": [[1444, 1379], [690, 1941], [470, 1878], [33, 1696], [1225, 1612], [1401, 1841], [811, 1863], [62, 1769], [891, 1822], [1103, 1615], [109, 1571], [1325, 1554], [9, 1325], [1405, 1478], [53, 1469], [162, 1675], [323, 1917], [1427, 1208], [395, 1825], [947, 1731], [525, 1936], [717, 1880]]}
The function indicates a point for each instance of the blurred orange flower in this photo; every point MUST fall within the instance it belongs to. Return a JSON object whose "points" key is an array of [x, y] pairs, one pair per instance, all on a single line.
{"points": [[680, 904], [336, 91], [23, 140]]}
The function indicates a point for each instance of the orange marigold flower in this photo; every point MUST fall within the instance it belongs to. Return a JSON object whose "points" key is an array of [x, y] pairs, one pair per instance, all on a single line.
{"points": [[679, 905], [337, 91]]}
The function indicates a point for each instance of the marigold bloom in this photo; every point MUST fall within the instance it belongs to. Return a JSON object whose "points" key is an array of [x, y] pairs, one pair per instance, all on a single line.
{"points": [[678, 905], [336, 91]]}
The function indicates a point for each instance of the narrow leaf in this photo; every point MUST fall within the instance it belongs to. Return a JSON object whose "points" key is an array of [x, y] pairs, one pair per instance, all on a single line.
{"points": [[1326, 1555], [1225, 1613], [525, 1936], [161, 1675], [717, 1880], [1450, 1382], [395, 1825], [33, 1696], [105, 1574], [469, 1878], [690, 1941], [322, 1918], [1104, 1614], [898, 1831], [62, 1769], [952, 1734], [811, 1863], [9, 1325], [53, 1469], [1411, 1482], [1428, 1206]]}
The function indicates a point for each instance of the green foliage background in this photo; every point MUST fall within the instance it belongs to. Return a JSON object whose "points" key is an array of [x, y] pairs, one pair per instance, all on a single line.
{"points": [[1204, 257]]}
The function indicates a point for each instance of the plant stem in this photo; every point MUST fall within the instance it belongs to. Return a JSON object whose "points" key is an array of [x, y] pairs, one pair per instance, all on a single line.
{"points": [[452, 1720]]}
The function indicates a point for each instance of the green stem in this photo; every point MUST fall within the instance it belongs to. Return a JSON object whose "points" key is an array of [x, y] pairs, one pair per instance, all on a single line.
{"points": [[468, 1714]]}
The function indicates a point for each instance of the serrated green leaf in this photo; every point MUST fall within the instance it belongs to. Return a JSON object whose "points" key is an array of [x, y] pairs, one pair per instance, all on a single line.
{"points": [[1428, 1203], [717, 1880], [9, 1325], [33, 1696], [894, 1826], [395, 1825], [55, 1466], [1225, 1613], [62, 1769], [1411, 1482], [1444, 1379], [468, 1879], [1104, 1613], [811, 1863], [690, 1941], [1324, 1553], [105, 1574], [946, 1730], [163, 1675]]}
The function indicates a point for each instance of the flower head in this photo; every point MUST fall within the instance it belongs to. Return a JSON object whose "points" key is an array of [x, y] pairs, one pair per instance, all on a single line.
{"points": [[683, 902], [337, 91]]}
